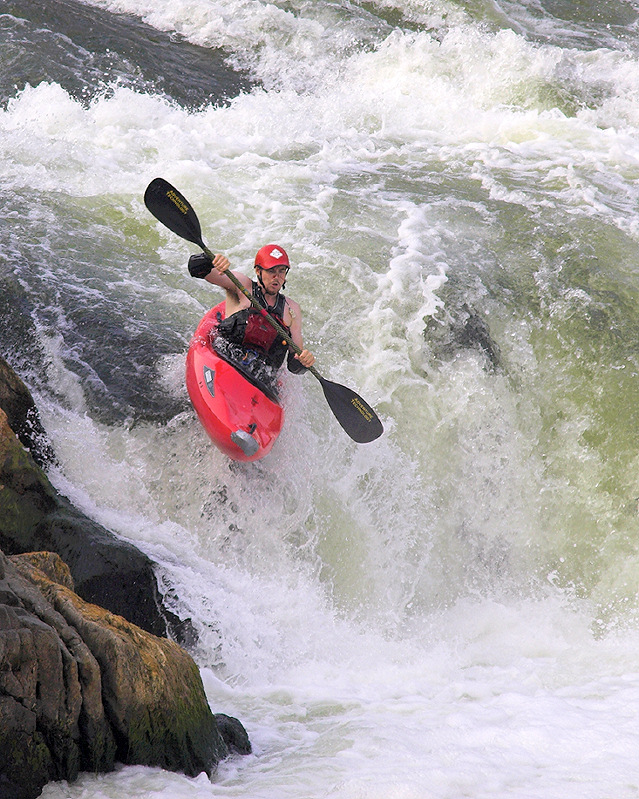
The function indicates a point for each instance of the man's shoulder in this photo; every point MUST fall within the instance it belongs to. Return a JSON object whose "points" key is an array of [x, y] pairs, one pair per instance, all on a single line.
{"points": [[294, 306]]}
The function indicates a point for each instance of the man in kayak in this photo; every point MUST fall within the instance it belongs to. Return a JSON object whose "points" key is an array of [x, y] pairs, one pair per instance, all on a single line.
{"points": [[244, 328]]}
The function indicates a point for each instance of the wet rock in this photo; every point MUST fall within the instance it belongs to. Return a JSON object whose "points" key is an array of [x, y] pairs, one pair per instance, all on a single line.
{"points": [[23, 416], [151, 688], [106, 570], [34, 517], [465, 329], [52, 721], [234, 734], [82, 688]]}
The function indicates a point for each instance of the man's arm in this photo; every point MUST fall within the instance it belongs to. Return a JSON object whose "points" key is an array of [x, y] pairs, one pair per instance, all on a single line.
{"points": [[305, 358]]}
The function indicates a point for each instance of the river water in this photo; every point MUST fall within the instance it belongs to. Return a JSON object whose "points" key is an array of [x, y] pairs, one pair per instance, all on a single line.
{"points": [[452, 610]]}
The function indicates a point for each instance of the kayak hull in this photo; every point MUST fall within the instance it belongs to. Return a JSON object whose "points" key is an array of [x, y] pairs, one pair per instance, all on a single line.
{"points": [[240, 417]]}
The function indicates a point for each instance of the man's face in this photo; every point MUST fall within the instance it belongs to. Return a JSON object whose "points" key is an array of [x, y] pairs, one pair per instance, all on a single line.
{"points": [[273, 279]]}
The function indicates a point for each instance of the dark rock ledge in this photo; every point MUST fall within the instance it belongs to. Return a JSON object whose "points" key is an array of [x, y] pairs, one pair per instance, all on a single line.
{"points": [[83, 687], [34, 517]]}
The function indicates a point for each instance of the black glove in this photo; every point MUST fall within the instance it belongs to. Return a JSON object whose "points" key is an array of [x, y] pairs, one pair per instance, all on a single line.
{"points": [[200, 265], [293, 364]]}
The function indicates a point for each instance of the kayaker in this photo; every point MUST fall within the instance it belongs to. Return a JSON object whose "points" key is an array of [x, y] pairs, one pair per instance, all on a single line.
{"points": [[243, 326]]}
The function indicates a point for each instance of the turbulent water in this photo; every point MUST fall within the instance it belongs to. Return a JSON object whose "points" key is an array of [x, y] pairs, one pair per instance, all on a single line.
{"points": [[451, 611]]}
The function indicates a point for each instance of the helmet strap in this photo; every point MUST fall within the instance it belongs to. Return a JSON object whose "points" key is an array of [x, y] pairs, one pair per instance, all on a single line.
{"points": [[258, 269]]}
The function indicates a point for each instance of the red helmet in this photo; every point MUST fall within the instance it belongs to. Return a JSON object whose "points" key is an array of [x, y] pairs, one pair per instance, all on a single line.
{"points": [[271, 255]]}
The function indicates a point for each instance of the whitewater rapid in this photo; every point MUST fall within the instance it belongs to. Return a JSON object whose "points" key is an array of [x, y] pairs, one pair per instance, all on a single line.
{"points": [[451, 610]]}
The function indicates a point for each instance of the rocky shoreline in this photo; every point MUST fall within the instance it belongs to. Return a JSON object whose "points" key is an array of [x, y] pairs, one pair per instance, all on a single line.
{"points": [[88, 675]]}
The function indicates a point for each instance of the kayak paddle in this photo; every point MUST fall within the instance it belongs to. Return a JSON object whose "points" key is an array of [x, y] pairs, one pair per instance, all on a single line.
{"points": [[171, 208]]}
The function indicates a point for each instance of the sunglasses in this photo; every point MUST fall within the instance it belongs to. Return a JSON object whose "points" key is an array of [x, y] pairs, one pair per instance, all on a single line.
{"points": [[280, 271]]}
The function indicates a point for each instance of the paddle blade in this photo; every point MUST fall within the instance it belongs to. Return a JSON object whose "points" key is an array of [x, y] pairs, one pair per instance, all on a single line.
{"points": [[355, 415], [172, 209]]}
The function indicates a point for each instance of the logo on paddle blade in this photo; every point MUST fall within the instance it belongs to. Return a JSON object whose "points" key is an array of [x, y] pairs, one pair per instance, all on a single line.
{"points": [[178, 202], [361, 407]]}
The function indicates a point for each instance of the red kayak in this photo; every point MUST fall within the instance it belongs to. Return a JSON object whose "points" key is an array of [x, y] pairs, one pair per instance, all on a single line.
{"points": [[240, 412]]}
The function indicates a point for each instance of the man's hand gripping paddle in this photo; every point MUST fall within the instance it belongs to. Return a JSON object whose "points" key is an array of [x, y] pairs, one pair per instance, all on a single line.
{"points": [[355, 415]]}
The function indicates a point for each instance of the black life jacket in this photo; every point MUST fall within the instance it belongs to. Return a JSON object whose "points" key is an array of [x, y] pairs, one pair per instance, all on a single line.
{"points": [[251, 330]]}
